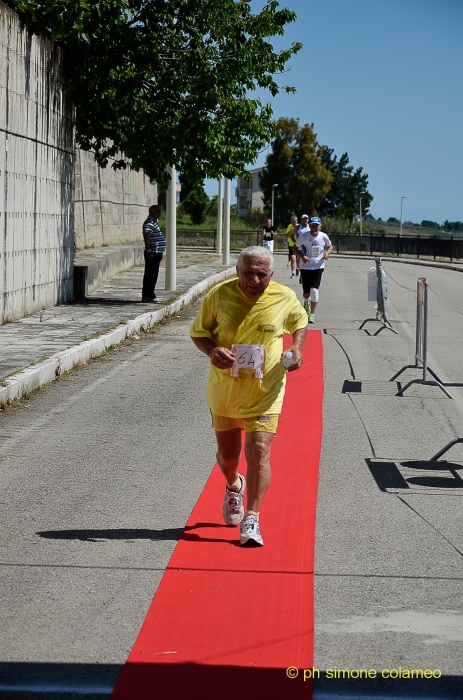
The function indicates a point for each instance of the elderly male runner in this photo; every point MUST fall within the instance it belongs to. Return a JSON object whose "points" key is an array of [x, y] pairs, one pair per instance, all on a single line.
{"points": [[251, 314]]}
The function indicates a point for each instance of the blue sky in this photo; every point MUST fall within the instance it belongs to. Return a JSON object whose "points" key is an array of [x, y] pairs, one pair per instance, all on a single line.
{"points": [[383, 80]]}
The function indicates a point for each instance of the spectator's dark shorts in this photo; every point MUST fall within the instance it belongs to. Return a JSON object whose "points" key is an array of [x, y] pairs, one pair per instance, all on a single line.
{"points": [[311, 279]]}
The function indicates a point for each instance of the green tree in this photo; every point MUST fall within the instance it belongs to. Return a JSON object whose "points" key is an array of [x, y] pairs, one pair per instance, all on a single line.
{"points": [[193, 199], [256, 217], [453, 225], [158, 83], [294, 164], [429, 224], [343, 197]]}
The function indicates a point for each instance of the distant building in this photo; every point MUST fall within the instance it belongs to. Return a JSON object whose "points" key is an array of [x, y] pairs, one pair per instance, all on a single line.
{"points": [[408, 223], [248, 193]]}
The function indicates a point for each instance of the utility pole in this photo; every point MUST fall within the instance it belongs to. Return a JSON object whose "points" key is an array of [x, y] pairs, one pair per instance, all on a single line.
{"points": [[226, 224], [219, 217], [171, 231], [273, 190], [361, 211], [401, 204]]}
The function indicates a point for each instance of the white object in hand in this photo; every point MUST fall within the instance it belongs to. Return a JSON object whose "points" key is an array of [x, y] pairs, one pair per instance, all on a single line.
{"points": [[288, 359]]}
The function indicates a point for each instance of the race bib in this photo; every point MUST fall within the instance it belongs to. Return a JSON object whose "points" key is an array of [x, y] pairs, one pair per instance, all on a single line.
{"points": [[315, 251], [248, 357]]}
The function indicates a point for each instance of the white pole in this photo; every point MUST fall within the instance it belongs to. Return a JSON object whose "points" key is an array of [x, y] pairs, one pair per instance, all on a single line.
{"points": [[360, 215], [273, 191], [361, 212], [171, 231], [219, 217], [401, 204], [226, 224]]}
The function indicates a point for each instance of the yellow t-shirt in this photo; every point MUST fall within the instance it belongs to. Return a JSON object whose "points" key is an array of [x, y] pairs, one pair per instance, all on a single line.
{"points": [[227, 316], [288, 233]]}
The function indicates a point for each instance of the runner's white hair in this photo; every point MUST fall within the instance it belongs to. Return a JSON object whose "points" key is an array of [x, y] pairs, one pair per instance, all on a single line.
{"points": [[256, 251]]}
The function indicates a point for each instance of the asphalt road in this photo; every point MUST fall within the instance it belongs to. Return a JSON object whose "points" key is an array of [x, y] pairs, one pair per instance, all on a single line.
{"points": [[99, 474], [100, 471], [389, 540]]}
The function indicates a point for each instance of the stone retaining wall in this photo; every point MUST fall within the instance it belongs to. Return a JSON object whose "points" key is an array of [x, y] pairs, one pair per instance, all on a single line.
{"points": [[110, 206], [36, 173], [53, 198]]}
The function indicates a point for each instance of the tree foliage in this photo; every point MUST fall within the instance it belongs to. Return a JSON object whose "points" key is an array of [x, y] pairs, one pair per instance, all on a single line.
{"points": [[166, 82], [256, 217], [294, 164], [453, 225], [194, 199], [429, 224], [343, 197]]}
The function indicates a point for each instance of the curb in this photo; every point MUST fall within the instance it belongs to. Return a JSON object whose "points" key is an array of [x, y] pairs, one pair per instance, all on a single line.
{"points": [[47, 371]]}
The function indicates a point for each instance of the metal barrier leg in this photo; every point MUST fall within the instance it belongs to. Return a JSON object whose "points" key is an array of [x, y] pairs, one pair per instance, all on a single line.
{"points": [[444, 450], [389, 327], [425, 381], [402, 370]]}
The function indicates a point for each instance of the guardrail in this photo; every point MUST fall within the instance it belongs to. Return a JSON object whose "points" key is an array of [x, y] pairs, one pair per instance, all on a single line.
{"points": [[396, 245], [369, 244]]}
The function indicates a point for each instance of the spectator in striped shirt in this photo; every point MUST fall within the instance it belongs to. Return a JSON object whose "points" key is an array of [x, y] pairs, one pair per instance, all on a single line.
{"points": [[155, 245]]}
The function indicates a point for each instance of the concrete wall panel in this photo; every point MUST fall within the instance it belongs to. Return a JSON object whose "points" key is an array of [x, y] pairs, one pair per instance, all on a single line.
{"points": [[36, 173], [52, 197], [110, 206]]}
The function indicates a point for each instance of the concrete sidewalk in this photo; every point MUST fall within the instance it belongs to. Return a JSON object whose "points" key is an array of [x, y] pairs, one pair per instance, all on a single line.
{"points": [[37, 348]]}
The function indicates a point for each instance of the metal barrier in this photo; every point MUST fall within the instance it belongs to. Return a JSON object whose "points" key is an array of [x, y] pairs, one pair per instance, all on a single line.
{"points": [[444, 449], [381, 294], [421, 343]]}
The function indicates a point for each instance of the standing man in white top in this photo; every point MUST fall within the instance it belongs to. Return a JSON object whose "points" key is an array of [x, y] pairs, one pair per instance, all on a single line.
{"points": [[314, 247]]}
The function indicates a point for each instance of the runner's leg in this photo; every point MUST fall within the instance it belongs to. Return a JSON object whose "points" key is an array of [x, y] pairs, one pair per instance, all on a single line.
{"points": [[228, 453], [257, 450]]}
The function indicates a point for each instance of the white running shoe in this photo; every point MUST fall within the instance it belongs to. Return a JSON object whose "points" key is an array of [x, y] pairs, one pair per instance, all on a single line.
{"points": [[293, 275], [250, 532], [233, 509]]}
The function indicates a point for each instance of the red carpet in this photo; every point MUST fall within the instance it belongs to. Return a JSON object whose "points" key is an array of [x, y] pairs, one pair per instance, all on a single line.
{"points": [[227, 622]]}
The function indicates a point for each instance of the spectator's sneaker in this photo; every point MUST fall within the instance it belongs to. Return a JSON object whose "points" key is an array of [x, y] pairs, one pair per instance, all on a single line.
{"points": [[311, 318], [250, 532], [233, 509], [148, 300], [307, 307]]}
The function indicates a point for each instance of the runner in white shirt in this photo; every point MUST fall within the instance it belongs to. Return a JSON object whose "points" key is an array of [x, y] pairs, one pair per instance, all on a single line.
{"points": [[314, 247]]}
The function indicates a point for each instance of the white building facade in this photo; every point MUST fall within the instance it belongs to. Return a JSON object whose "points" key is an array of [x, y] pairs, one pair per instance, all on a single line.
{"points": [[248, 193]]}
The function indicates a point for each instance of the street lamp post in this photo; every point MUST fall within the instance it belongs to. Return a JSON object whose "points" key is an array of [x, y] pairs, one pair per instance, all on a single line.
{"points": [[362, 192], [273, 190], [401, 205]]}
